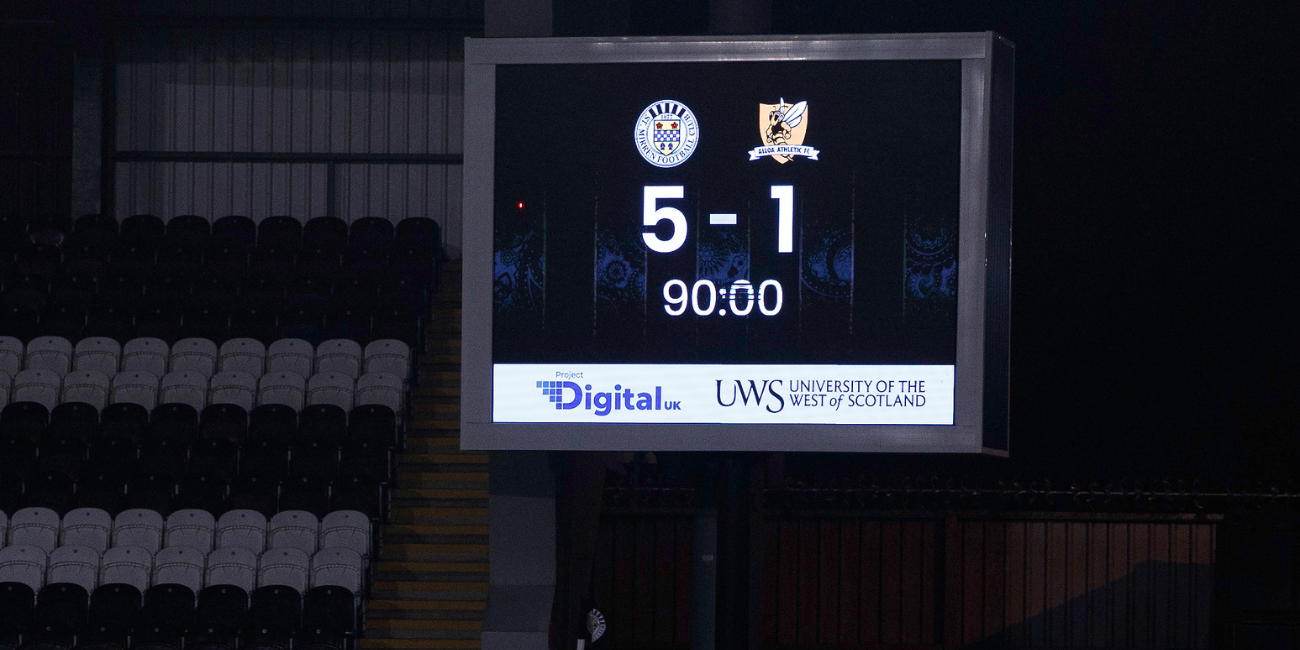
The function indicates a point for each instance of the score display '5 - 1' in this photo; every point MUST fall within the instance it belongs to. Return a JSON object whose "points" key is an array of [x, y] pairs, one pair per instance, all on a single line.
{"points": [[652, 214]]}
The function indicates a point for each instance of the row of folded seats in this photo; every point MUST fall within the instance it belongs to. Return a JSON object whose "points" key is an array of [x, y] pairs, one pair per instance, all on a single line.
{"points": [[187, 581], [277, 279], [270, 459], [204, 356]]}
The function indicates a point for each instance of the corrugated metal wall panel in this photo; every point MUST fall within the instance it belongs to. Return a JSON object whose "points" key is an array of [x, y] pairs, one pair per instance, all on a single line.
{"points": [[338, 95]]}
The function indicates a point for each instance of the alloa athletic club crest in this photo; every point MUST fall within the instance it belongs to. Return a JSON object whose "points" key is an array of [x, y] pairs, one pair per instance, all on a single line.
{"points": [[782, 127], [666, 133]]}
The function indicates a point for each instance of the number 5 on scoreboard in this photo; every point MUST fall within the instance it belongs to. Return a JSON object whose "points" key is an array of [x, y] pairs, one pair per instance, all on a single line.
{"points": [[652, 214]]}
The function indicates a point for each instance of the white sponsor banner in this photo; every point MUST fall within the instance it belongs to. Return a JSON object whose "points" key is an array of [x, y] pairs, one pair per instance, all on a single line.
{"points": [[722, 394]]}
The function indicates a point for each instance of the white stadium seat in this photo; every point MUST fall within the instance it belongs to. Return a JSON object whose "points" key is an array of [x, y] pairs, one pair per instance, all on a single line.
{"points": [[146, 353], [130, 565], [37, 385], [184, 387], [190, 527], [179, 565], [339, 355], [97, 353], [244, 354], [339, 567], [194, 354], [294, 529], [23, 563], [381, 388], [75, 564], [242, 529], [53, 353], [346, 529], [233, 387], [290, 355], [11, 355], [37, 527], [89, 527], [282, 387], [284, 566], [232, 566], [330, 388], [138, 527], [135, 387], [89, 386], [388, 355]]}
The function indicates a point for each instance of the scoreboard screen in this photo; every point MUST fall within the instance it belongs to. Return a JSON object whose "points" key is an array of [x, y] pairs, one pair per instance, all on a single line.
{"points": [[736, 244]]}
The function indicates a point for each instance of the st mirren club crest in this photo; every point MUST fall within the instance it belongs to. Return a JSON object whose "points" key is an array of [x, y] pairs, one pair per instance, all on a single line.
{"points": [[782, 127], [666, 133]]}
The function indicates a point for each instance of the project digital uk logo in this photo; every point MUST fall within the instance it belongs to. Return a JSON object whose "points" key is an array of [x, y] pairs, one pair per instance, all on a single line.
{"points": [[666, 133], [605, 402]]}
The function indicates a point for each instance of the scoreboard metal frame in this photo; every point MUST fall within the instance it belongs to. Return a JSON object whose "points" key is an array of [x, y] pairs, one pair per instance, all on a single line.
{"points": [[980, 418]]}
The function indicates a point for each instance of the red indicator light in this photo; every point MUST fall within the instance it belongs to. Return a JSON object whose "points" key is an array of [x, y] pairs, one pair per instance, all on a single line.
{"points": [[521, 205]]}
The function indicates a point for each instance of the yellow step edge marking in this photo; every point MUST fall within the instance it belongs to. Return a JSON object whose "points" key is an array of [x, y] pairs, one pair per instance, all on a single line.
{"points": [[432, 644], [408, 585], [441, 512], [435, 548], [448, 605], [418, 529], [434, 567], [377, 624], [415, 493]]}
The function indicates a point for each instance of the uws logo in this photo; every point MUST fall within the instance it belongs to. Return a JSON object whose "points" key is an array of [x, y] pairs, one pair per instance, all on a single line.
{"points": [[567, 395], [744, 391]]}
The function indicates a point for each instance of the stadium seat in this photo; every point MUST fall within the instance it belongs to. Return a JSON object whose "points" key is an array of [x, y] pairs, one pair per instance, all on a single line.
{"points": [[97, 353], [50, 490], [124, 419], [290, 355], [174, 421], [190, 528], [75, 564], [74, 418], [205, 486], [340, 356], [282, 387], [61, 612], [274, 422], [286, 567], [390, 356], [346, 529], [371, 232], [328, 233], [6, 385], [129, 565], [308, 493], [279, 232], [65, 321], [52, 353], [142, 228], [135, 387], [233, 565], [184, 387], [138, 527], [86, 386], [242, 529], [224, 422], [361, 493], [88, 527], [258, 493], [322, 422], [36, 385], [294, 529], [114, 609], [246, 355], [17, 601], [161, 319], [37, 527], [332, 388], [338, 567], [11, 355], [168, 611], [194, 354], [233, 387], [328, 607], [24, 564], [236, 231], [382, 388], [180, 565], [150, 490], [274, 614], [145, 353], [101, 487], [188, 229], [222, 610], [62, 456]]}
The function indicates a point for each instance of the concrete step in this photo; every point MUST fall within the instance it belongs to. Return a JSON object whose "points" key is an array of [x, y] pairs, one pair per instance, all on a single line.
{"points": [[369, 643], [475, 478], [431, 444], [466, 590], [418, 424], [446, 456], [434, 493], [440, 516], [434, 553]]}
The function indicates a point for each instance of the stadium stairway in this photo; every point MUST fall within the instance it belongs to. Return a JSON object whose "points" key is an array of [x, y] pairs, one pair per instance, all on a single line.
{"points": [[431, 580]]}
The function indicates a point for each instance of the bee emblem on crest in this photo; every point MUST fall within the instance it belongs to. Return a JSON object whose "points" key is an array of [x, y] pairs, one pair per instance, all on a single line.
{"points": [[782, 127]]}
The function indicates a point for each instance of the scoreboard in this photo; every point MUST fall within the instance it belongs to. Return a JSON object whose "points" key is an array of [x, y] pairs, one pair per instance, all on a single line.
{"points": [[786, 243]]}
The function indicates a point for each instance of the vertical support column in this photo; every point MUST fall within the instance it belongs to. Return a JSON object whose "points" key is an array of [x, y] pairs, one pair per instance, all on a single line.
{"points": [[521, 551]]}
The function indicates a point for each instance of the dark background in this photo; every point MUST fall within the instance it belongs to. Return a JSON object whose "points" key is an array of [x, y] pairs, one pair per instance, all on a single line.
{"points": [[889, 136], [1154, 222]]}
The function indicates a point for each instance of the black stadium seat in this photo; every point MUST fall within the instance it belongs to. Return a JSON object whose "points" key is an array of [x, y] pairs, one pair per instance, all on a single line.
{"points": [[276, 422], [254, 492], [236, 232], [371, 232], [329, 607], [16, 603], [327, 233], [279, 233], [222, 608], [188, 229], [143, 229], [115, 606]]}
